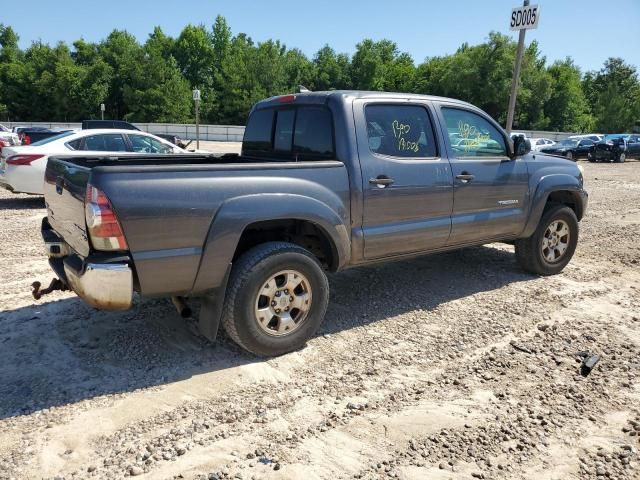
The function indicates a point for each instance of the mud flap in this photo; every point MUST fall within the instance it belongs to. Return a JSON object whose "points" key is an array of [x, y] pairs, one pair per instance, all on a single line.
{"points": [[211, 310]]}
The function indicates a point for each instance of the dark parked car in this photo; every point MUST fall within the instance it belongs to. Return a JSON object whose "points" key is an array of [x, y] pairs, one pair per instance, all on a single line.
{"points": [[616, 148], [325, 181], [571, 148]]}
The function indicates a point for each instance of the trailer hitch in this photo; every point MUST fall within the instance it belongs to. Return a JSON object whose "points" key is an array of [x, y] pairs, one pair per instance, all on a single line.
{"points": [[56, 284]]}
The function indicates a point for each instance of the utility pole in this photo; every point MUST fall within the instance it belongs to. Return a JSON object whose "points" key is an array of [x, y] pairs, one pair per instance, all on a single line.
{"points": [[196, 99], [102, 111], [522, 19]]}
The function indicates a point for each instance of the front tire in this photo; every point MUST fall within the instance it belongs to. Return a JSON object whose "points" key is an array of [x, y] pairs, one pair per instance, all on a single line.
{"points": [[552, 245], [276, 299], [569, 156], [621, 158]]}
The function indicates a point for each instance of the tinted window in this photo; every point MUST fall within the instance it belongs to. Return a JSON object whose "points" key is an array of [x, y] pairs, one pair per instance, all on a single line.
{"points": [[283, 136], [586, 143], [112, 142], [257, 135], [75, 144], [472, 135], [44, 141], [400, 131], [314, 134], [144, 144]]}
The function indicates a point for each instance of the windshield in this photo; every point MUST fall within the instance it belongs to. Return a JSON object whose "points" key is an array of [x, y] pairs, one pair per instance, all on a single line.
{"points": [[52, 139], [567, 142]]}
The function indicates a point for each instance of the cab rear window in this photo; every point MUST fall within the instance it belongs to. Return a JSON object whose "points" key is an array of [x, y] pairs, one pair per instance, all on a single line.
{"points": [[298, 133]]}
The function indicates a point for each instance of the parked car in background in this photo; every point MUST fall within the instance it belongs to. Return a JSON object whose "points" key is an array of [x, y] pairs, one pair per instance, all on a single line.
{"points": [[596, 137], [22, 167], [571, 148], [616, 148], [93, 124], [539, 143], [7, 137]]}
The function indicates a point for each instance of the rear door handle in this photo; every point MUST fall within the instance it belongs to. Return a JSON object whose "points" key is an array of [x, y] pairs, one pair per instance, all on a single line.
{"points": [[381, 181], [465, 177]]}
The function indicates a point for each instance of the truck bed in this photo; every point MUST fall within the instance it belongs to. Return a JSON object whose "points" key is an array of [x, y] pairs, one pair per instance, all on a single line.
{"points": [[167, 206]]}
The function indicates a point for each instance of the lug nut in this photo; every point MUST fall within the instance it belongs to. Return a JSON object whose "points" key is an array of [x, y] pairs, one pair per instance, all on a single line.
{"points": [[273, 303], [291, 299], [277, 294], [286, 291], [286, 309], [277, 310]]}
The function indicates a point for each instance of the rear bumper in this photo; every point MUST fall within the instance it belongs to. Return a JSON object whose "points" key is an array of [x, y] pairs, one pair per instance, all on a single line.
{"points": [[104, 286], [103, 282]]}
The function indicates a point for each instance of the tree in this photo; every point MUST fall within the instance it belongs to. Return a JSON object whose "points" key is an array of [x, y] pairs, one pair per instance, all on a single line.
{"points": [[332, 71], [567, 107], [614, 93]]}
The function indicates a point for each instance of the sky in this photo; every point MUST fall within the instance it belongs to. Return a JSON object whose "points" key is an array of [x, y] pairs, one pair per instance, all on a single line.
{"points": [[589, 31]]}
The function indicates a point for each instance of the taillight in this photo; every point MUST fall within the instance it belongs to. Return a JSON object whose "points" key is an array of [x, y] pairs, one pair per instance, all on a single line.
{"points": [[102, 223], [21, 159]]}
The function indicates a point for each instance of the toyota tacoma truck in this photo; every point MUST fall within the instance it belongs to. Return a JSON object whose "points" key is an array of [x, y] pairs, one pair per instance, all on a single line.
{"points": [[324, 181]]}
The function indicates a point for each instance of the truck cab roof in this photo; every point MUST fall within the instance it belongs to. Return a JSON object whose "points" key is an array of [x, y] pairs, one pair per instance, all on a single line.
{"points": [[323, 97]]}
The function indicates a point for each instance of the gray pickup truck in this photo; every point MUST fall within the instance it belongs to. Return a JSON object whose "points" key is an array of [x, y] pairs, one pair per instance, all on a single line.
{"points": [[325, 181]]}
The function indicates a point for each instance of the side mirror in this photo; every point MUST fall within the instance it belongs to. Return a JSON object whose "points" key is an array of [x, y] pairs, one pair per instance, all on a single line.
{"points": [[521, 146]]}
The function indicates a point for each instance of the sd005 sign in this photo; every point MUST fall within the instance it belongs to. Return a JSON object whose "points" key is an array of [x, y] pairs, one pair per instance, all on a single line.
{"points": [[525, 17]]}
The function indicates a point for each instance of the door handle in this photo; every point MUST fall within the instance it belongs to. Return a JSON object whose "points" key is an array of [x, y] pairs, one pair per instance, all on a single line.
{"points": [[381, 181], [465, 177]]}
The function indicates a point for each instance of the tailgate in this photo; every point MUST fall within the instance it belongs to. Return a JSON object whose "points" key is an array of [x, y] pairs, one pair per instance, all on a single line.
{"points": [[65, 187]]}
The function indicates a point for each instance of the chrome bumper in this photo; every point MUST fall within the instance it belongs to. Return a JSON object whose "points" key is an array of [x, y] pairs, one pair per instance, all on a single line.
{"points": [[108, 286]]}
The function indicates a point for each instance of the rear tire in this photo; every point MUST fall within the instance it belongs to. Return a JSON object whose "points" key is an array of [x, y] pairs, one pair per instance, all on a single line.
{"points": [[569, 156], [621, 158], [254, 313], [549, 250]]}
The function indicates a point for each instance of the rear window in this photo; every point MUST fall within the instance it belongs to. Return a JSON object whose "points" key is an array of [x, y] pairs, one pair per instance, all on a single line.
{"points": [[257, 135], [290, 133]]}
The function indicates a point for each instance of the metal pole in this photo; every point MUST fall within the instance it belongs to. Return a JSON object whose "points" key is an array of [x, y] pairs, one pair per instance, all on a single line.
{"points": [[102, 114], [516, 75], [198, 124]]}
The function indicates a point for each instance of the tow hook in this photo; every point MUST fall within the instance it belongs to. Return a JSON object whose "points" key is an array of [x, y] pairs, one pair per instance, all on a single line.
{"points": [[56, 284]]}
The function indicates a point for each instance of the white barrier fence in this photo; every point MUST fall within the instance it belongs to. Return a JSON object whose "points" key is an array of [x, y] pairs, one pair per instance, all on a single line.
{"points": [[220, 133]]}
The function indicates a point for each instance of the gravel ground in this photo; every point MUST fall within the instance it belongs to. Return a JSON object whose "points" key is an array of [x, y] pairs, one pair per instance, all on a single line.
{"points": [[456, 365]]}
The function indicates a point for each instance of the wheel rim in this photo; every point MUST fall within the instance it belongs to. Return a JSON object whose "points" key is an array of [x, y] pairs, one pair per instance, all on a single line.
{"points": [[570, 155], [622, 157], [555, 241], [283, 303]]}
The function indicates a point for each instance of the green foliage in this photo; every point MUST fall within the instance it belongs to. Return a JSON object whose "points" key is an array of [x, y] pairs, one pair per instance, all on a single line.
{"points": [[614, 93], [153, 81]]}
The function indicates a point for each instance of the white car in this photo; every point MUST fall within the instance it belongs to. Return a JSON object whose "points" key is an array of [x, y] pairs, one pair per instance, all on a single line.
{"points": [[596, 137], [7, 137], [22, 167], [539, 143]]}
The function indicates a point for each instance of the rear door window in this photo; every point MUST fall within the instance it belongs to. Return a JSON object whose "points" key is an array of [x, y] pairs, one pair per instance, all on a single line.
{"points": [[400, 131], [110, 142], [283, 136]]}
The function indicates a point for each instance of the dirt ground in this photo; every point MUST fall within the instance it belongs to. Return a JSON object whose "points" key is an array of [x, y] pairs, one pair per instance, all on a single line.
{"points": [[454, 366]]}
